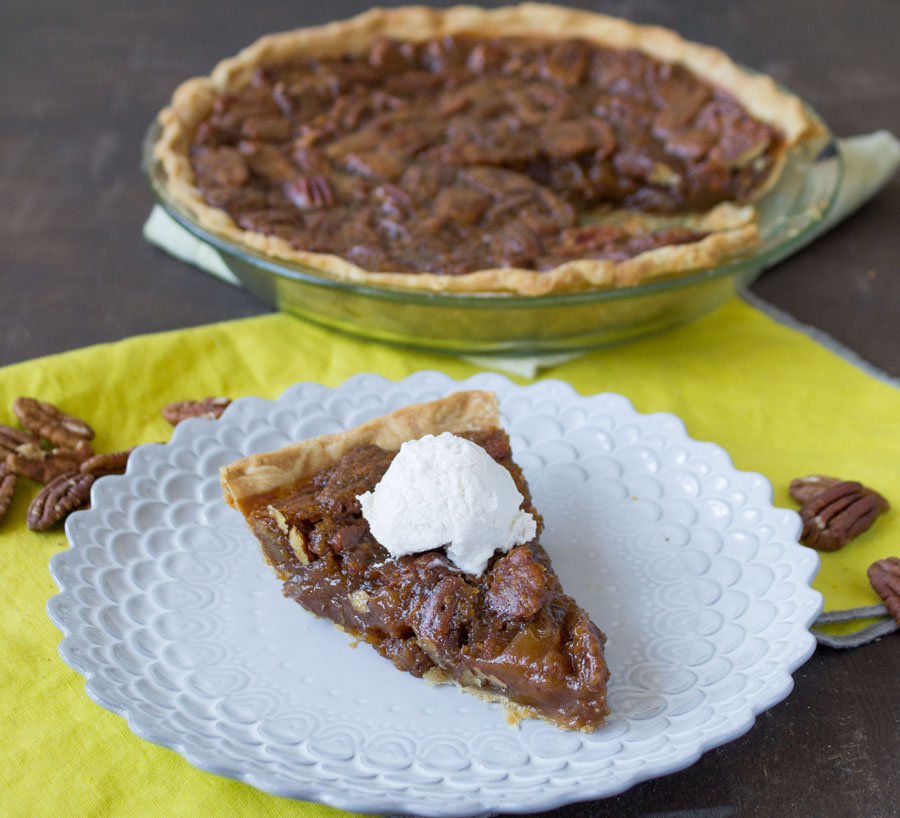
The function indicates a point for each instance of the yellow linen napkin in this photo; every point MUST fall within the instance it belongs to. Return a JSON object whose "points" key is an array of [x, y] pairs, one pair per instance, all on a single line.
{"points": [[778, 401]]}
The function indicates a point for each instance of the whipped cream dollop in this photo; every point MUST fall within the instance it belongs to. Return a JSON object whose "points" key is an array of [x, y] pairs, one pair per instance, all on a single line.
{"points": [[447, 490]]}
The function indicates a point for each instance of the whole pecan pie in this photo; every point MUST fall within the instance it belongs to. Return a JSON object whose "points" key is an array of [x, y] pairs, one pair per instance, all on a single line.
{"points": [[526, 149], [509, 634]]}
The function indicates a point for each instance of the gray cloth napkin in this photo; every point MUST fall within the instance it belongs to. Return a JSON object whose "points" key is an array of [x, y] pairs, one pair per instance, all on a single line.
{"points": [[886, 624]]}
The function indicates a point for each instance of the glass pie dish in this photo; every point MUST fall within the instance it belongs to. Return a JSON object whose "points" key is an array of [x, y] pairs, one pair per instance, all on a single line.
{"points": [[502, 324]]}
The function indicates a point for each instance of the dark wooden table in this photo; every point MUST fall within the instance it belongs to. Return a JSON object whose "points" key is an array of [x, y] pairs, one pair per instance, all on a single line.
{"points": [[81, 83]]}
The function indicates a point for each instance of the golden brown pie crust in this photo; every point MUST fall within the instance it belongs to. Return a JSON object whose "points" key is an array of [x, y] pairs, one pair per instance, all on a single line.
{"points": [[288, 466], [734, 227]]}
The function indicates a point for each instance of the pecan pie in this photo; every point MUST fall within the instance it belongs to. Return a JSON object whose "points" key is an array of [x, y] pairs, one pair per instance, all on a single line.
{"points": [[524, 149], [510, 634]]}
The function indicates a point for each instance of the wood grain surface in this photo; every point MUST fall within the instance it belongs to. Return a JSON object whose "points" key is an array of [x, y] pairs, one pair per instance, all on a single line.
{"points": [[81, 83]]}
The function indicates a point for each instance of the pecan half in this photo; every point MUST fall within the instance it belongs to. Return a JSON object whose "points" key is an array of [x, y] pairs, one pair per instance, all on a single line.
{"points": [[446, 612], [209, 408], [518, 585], [50, 422], [839, 512], [107, 463], [31, 461], [804, 489], [7, 486], [11, 439], [885, 578], [63, 494], [309, 192]]}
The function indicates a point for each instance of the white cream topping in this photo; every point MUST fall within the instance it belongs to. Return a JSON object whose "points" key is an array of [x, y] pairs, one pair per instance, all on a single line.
{"points": [[447, 491]]}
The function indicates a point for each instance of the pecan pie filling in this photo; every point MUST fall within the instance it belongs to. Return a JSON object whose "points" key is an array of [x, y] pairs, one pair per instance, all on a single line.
{"points": [[512, 631], [464, 153]]}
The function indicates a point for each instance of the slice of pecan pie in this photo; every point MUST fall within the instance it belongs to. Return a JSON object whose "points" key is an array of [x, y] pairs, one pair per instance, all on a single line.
{"points": [[526, 149], [509, 634]]}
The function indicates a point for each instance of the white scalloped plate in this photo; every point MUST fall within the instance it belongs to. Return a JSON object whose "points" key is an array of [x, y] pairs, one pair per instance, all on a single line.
{"points": [[177, 624]]}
